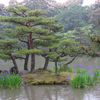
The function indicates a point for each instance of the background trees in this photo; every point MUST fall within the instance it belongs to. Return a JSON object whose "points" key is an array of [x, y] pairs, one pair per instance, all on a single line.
{"points": [[73, 16], [48, 5]]}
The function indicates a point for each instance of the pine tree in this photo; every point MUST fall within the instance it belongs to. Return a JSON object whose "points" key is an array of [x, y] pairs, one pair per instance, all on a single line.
{"points": [[33, 29], [7, 49], [66, 46]]}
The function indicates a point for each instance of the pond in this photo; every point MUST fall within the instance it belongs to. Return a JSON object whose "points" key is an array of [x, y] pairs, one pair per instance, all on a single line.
{"points": [[50, 93], [53, 92]]}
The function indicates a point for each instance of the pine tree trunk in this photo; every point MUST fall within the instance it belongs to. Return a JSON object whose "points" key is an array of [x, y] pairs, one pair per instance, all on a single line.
{"points": [[26, 62], [27, 58], [32, 62], [56, 67], [31, 46], [14, 62], [46, 63]]}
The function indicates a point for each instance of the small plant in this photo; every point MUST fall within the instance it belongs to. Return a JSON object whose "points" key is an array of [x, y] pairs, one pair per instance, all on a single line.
{"points": [[81, 70], [96, 76], [82, 79], [10, 81], [66, 69]]}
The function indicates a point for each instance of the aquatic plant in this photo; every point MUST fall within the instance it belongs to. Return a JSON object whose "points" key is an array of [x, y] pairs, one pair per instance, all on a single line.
{"points": [[96, 76], [10, 81], [82, 79]]}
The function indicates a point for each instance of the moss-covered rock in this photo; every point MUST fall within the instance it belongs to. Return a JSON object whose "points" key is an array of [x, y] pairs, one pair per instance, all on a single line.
{"points": [[47, 78]]}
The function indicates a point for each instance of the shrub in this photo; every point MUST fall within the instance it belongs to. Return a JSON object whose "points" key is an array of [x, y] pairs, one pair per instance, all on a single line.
{"points": [[10, 81]]}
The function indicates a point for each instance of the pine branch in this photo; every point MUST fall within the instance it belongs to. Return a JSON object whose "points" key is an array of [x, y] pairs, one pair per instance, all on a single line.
{"points": [[70, 61], [16, 57], [23, 41]]}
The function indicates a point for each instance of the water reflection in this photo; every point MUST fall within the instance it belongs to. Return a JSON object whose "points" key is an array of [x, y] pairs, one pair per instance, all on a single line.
{"points": [[50, 93]]}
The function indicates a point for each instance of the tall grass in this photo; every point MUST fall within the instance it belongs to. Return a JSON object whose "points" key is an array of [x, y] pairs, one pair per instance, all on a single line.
{"points": [[10, 81], [83, 79], [97, 76]]}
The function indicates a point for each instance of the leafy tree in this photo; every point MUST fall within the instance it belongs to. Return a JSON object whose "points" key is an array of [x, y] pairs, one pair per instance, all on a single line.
{"points": [[47, 5], [32, 28], [95, 15], [73, 16]]}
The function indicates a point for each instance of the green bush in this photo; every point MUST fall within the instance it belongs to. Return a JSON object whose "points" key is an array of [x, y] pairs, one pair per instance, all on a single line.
{"points": [[10, 81]]}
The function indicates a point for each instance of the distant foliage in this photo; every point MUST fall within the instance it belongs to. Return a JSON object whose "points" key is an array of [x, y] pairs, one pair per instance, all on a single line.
{"points": [[47, 5], [73, 16]]}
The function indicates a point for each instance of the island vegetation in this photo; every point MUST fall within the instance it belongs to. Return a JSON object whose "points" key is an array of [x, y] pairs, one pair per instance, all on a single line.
{"points": [[56, 33]]}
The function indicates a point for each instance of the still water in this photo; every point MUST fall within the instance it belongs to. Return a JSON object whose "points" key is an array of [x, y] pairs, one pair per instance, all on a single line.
{"points": [[50, 93]]}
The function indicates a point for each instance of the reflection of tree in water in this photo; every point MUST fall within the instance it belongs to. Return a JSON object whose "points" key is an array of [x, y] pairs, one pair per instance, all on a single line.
{"points": [[47, 94], [42, 93], [62, 93], [56, 93], [8, 94], [50, 93], [29, 94]]}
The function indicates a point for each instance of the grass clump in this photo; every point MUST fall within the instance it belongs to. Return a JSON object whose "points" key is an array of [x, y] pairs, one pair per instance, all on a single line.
{"points": [[10, 81], [96, 76], [83, 79]]}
